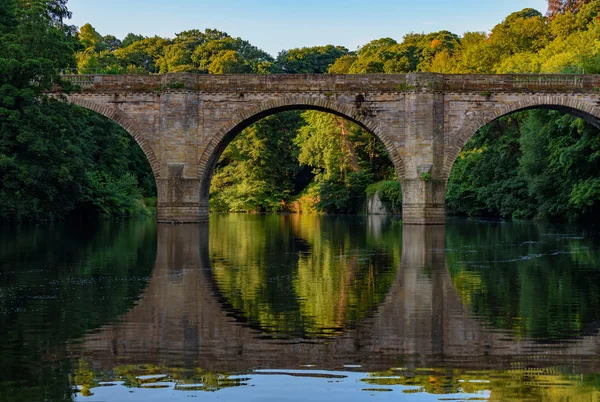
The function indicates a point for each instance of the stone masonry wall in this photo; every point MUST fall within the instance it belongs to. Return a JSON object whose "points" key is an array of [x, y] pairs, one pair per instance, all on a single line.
{"points": [[184, 121]]}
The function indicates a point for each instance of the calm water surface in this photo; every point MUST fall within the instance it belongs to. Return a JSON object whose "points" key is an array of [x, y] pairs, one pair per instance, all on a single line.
{"points": [[271, 308]]}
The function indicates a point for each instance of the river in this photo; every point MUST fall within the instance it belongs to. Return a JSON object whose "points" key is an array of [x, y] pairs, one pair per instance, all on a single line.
{"points": [[297, 308]]}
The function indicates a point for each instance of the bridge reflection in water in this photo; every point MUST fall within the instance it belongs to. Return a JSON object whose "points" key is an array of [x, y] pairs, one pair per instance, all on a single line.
{"points": [[183, 320]]}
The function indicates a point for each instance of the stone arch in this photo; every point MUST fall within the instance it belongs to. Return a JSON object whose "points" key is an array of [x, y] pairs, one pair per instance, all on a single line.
{"points": [[567, 104], [216, 144], [126, 123]]}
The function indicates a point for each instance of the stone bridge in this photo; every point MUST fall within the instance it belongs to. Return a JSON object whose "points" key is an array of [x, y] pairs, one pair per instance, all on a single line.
{"points": [[421, 323], [184, 121]]}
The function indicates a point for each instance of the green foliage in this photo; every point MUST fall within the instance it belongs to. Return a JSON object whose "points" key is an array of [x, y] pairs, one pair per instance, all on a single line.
{"points": [[49, 151], [34, 150], [130, 39], [264, 169], [209, 52], [257, 171], [90, 38], [322, 145], [344, 195], [385, 55], [114, 196], [345, 159], [7, 16], [55, 159], [426, 177], [260, 265], [541, 164], [561, 162], [485, 179], [343, 64], [95, 271], [308, 60], [142, 55], [307, 200]]}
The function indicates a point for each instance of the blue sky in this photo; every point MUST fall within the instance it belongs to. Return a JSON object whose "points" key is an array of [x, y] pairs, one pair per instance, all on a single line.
{"points": [[273, 25]]}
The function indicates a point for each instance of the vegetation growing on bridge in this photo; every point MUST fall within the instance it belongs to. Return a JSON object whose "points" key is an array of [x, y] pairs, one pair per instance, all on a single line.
{"points": [[56, 159]]}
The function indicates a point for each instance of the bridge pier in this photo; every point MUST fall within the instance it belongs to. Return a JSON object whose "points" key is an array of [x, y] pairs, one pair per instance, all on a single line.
{"points": [[179, 198], [423, 202], [423, 192]]}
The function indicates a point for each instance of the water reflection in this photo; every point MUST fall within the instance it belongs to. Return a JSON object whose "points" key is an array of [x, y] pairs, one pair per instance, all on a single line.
{"points": [[58, 282], [299, 307], [301, 276], [531, 280], [214, 307]]}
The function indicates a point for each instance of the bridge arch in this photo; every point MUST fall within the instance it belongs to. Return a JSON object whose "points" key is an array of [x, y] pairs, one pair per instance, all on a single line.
{"points": [[126, 123], [566, 104], [216, 144]]}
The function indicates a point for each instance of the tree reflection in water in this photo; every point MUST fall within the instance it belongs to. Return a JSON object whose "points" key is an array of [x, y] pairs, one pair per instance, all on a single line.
{"points": [[302, 298]]}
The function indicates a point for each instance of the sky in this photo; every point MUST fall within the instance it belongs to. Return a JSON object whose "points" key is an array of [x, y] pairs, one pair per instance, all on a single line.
{"points": [[274, 25]]}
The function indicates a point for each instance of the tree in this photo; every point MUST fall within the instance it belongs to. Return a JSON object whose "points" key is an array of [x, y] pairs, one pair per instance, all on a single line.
{"points": [[574, 53], [257, 170], [90, 38], [227, 62], [7, 16], [227, 56], [131, 38], [308, 60], [343, 65], [50, 150], [557, 7], [147, 55], [523, 31], [213, 52], [373, 56], [485, 179], [474, 54], [344, 157], [57, 10], [111, 43], [440, 43], [561, 164]]}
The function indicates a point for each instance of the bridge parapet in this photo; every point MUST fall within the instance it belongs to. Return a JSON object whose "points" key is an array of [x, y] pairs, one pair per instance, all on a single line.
{"points": [[331, 83], [115, 83], [522, 83], [326, 83]]}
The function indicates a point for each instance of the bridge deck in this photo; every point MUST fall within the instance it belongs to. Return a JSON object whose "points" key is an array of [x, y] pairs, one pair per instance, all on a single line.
{"points": [[478, 83]]}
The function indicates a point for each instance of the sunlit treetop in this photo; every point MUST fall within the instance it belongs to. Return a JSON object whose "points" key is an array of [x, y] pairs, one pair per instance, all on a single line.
{"points": [[556, 7]]}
